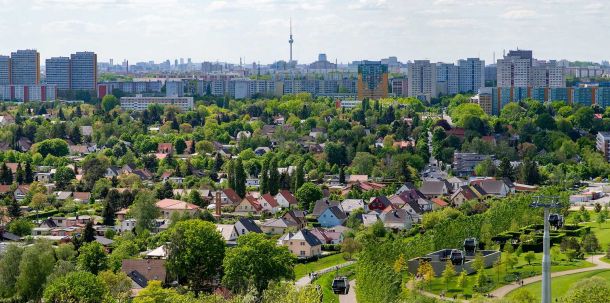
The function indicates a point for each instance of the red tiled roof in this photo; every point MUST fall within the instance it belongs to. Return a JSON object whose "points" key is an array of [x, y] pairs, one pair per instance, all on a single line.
{"points": [[288, 196], [232, 195], [270, 199], [439, 202]]}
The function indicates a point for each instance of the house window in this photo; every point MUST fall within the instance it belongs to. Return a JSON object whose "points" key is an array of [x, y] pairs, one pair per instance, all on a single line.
{"points": [[302, 243], [302, 252]]}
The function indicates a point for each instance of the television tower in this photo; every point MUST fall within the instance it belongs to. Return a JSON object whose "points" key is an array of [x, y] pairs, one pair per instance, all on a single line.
{"points": [[290, 41]]}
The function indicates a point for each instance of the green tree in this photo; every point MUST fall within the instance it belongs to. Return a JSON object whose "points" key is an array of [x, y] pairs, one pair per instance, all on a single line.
{"points": [[78, 286], [56, 147], [273, 263], [448, 273], [529, 257], [63, 176], [36, 264], [240, 178], [505, 170], [21, 227], [591, 290], [524, 296], [528, 172], [125, 250], [92, 258], [264, 184], [590, 243], [299, 176], [29, 174], [307, 195], [145, 211], [118, 285], [349, 247], [9, 271], [19, 174], [462, 280], [196, 250], [180, 146], [65, 252], [109, 102], [274, 178]]}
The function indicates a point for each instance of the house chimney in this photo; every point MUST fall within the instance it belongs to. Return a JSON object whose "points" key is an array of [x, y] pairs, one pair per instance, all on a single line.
{"points": [[218, 206]]}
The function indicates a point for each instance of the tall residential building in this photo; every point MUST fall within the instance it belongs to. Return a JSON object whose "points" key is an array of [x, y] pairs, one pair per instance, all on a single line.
{"points": [[83, 71], [400, 87], [514, 71], [422, 80], [603, 144], [372, 80], [5, 70], [58, 72], [447, 78], [548, 75], [25, 67], [471, 74]]}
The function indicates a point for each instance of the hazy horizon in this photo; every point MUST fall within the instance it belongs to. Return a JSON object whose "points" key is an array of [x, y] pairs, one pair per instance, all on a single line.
{"points": [[257, 30]]}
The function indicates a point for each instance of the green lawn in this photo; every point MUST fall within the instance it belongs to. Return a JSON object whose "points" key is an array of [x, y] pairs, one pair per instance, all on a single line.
{"points": [[325, 282], [522, 269], [301, 270], [602, 234], [560, 285]]}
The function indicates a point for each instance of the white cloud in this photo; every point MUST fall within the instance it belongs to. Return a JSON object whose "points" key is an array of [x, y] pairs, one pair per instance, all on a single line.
{"points": [[71, 26], [452, 23], [517, 14], [368, 5]]}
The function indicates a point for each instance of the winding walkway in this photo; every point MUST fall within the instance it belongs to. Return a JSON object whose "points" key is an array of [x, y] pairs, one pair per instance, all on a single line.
{"points": [[351, 295], [504, 290], [596, 260], [307, 279]]}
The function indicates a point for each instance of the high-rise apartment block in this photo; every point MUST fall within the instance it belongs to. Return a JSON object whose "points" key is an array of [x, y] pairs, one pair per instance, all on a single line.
{"points": [[372, 80], [83, 71], [78, 72], [58, 72], [471, 74], [447, 77], [5, 70], [422, 80], [514, 71], [519, 69], [25, 67]]}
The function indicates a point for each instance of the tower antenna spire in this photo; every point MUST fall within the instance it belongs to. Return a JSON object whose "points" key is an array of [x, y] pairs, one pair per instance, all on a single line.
{"points": [[290, 41]]}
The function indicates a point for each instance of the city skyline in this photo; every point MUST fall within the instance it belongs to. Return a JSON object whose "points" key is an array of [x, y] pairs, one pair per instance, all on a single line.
{"points": [[258, 30]]}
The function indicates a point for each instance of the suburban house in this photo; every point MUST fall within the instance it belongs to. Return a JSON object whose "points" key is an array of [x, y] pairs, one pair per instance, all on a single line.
{"points": [[277, 226], [245, 225], [268, 203], [498, 188], [297, 217], [302, 244], [143, 270], [82, 197], [165, 148], [170, 206], [332, 216], [321, 205], [350, 205], [463, 194], [434, 189], [286, 199], [456, 183], [328, 236], [21, 191], [248, 205], [228, 232], [397, 219], [229, 197], [379, 203]]}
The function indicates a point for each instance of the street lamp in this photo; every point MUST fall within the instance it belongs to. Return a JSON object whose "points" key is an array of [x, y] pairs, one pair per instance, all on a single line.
{"points": [[546, 202]]}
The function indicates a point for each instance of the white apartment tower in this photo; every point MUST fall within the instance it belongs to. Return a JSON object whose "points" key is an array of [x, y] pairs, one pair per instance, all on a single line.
{"points": [[58, 72], [471, 74], [422, 80], [447, 77]]}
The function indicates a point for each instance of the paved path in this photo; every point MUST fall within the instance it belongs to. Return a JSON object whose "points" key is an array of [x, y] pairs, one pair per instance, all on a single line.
{"points": [[599, 264], [504, 290], [351, 295], [307, 279]]}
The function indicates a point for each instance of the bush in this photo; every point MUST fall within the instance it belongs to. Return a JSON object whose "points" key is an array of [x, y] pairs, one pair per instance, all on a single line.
{"points": [[331, 247]]}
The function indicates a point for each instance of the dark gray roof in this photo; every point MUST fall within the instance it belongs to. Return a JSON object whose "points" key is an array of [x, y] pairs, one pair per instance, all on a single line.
{"points": [[338, 213], [9, 236], [250, 225], [432, 187], [306, 235], [322, 205], [415, 206]]}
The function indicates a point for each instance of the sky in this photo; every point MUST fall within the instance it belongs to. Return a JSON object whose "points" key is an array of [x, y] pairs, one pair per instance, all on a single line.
{"points": [[346, 30]]}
